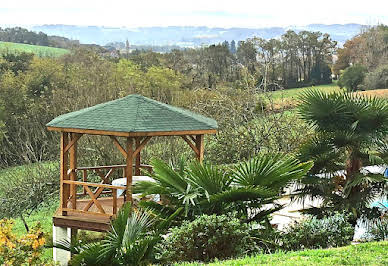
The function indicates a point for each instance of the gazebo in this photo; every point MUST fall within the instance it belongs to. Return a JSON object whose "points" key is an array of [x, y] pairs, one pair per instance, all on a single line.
{"points": [[135, 118]]}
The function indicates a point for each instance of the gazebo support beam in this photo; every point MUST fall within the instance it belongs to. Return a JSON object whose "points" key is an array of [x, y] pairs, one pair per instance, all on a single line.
{"points": [[192, 145], [128, 168], [141, 145], [73, 140], [64, 188], [200, 145], [119, 147], [138, 158], [197, 146], [74, 137]]}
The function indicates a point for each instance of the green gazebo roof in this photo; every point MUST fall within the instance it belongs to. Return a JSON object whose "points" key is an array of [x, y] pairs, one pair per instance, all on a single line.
{"points": [[134, 114]]}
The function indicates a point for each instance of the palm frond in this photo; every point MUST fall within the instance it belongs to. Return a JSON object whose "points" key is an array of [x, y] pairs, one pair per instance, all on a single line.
{"points": [[243, 194], [208, 177], [167, 176], [271, 170]]}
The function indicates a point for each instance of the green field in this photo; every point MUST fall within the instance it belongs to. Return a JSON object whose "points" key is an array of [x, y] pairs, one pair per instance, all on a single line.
{"points": [[42, 51], [374, 253], [293, 93]]}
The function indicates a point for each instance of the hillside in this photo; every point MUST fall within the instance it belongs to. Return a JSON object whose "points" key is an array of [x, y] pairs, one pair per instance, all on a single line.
{"points": [[42, 51], [363, 254], [188, 36]]}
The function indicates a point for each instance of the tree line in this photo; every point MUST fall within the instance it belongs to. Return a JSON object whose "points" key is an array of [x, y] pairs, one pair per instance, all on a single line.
{"points": [[21, 35], [294, 60], [363, 60]]}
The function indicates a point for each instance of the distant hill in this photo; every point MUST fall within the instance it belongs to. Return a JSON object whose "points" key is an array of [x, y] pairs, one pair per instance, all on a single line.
{"points": [[189, 36], [42, 51]]}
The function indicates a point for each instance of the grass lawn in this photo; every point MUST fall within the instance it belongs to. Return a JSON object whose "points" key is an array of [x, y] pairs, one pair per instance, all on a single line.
{"points": [[374, 253], [42, 51], [293, 93], [287, 99]]}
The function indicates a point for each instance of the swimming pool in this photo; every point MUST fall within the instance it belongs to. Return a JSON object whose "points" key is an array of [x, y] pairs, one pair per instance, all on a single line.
{"points": [[380, 203]]}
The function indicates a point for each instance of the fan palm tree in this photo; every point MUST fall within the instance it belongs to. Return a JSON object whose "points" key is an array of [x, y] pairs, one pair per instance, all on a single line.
{"points": [[130, 241], [205, 188], [350, 133]]}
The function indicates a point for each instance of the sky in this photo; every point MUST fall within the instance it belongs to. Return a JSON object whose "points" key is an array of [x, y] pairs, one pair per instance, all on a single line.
{"points": [[211, 13]]}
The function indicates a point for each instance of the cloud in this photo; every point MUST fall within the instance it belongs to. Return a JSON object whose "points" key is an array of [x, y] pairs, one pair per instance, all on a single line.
{"points": [[227, 13]]}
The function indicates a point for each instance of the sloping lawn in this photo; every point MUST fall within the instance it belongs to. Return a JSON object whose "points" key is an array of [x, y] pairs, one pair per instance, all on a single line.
{"points": [[286, 99], [41, 51], [293, 93], [375, 253]]}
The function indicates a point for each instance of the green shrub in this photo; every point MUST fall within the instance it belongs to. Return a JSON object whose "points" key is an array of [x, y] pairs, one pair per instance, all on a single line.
{"points": [[331, 231], [24, 189], [377, 79], [206, 238], [378, 231], [352, 77]]}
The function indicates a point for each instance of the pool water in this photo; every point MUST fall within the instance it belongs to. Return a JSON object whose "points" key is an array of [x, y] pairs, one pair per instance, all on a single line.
{"points": [[380, 203]]}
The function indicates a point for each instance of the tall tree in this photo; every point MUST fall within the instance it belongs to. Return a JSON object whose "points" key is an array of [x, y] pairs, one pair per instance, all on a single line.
{"points": [[349, 132]]}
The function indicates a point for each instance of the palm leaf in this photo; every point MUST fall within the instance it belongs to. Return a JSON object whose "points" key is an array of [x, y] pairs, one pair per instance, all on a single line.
{"points": [[271, 170], [242, 194], [208, 177]]}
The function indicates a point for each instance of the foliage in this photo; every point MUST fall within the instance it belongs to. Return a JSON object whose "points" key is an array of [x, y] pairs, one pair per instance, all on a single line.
{"points": [[377, 230], [19, 250], [24, 190], [369, 49], [350, 131], [205, 188], [330, 231], [206, 238], [35, 90], [352, 77], [278, 59], [24, 36], [377, 79], [130, 242], [362, 254]]}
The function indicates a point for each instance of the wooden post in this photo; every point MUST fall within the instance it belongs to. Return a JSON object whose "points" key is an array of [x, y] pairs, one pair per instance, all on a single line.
{"points": [[114, 194], [64, 188], [138, 159], [129, 173], [84, 179], [73, 166], [199, 144]]}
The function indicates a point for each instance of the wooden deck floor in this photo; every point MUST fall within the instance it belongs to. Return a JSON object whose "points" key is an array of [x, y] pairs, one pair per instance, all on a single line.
{"points": [[88, 221]]}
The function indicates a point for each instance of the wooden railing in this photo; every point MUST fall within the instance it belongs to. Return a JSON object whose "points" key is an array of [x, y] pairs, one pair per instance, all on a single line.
{"points": [[104, 187], [94, 197]]}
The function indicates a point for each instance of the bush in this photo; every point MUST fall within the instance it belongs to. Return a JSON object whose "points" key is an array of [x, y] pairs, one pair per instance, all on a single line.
{"points": [[377, 79], [26, 249], [206, 238], [23, 189], [378, 231], [352, 77], [331, 231]]}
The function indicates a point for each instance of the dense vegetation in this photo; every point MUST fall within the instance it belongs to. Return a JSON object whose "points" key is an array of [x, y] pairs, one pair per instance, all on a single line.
{"points": [[318, 141], [21, 35], [368, 52]]}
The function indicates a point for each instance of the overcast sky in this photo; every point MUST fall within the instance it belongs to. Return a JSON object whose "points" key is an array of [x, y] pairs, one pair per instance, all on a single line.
{"points": [[212, 13]]}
